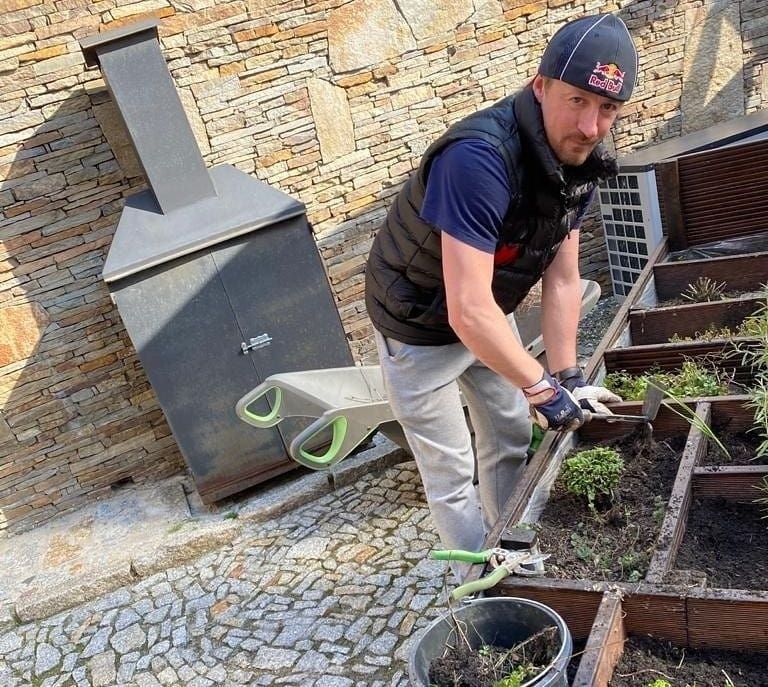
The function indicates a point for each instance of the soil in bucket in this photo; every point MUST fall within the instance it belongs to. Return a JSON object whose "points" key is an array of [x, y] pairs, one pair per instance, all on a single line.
{"points": [[493, 642], [494, 666]]}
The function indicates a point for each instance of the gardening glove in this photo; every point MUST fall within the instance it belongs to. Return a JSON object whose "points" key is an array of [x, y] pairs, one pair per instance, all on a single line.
{"points": [[552, 406], [591, 398]]}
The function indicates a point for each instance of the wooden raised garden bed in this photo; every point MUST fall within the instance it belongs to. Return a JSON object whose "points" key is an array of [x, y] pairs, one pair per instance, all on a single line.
{"points": [[699, 597], [670, 610]]}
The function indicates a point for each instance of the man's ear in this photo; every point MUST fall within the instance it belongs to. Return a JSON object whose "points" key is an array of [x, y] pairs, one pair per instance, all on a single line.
{"points": [[538, 87]]}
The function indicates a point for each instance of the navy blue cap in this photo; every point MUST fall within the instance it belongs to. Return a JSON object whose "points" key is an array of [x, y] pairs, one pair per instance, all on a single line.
{"points": [[595, 54]]}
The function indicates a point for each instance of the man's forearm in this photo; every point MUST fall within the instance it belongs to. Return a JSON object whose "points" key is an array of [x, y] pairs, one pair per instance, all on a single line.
{"points": [[486, 332], [561, 304]]}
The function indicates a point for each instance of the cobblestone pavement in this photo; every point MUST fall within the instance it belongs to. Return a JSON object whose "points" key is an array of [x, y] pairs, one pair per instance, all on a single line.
{"points": [[328, 595]]}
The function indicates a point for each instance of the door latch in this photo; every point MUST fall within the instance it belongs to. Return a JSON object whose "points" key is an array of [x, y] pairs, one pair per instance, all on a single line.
{"points": [[255, 343]]}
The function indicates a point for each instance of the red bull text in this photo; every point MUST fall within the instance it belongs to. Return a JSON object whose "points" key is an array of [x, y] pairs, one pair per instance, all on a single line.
{"points": [[607, 77]]}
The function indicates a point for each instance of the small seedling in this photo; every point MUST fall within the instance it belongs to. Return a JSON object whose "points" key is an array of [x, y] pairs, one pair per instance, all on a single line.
{"points": [[659, 683], [704, 290], [593, 472], [515, 678], [659, 509], [582, 549]]}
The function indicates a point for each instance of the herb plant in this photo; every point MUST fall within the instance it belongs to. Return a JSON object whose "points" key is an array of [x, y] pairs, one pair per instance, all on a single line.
{"points": [[593, 472]]}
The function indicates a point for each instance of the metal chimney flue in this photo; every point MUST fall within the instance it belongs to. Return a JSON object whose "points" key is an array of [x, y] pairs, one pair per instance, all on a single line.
{"points": [[140, 85]]}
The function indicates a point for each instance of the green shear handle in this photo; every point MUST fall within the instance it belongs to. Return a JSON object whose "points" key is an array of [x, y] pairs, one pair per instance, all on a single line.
{"points": [[486, 582], [463, 556], [505, 563]]}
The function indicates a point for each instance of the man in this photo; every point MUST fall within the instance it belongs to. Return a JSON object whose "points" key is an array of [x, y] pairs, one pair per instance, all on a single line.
{"points": [[495, 206]]}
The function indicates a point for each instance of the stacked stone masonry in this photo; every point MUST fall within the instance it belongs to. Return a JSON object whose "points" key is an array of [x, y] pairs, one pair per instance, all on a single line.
{"points": [[330, 101]]}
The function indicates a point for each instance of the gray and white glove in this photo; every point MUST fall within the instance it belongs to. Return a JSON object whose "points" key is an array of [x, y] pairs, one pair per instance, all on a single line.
{"points": [[591, 398]]}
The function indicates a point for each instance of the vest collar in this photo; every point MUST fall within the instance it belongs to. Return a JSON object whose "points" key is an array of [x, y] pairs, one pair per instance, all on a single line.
{"points": [[599, 165]]}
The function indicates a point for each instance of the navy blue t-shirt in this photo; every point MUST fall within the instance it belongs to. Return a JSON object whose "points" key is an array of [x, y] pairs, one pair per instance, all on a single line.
{"points": [[468, 194]]}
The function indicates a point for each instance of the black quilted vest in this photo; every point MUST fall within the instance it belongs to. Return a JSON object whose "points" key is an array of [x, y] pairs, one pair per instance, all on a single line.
{"points": [[404, 291]]}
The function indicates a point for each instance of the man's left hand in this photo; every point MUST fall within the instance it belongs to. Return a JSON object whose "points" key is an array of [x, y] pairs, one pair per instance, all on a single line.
{"points": [[589, 397], [592, 398]]}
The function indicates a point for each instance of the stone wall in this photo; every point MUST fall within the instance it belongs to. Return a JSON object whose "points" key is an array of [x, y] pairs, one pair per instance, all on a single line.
{"points": [[331, 101]]}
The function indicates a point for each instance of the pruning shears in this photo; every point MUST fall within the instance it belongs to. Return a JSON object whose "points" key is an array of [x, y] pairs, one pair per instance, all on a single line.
{"points": [[502, 561]]}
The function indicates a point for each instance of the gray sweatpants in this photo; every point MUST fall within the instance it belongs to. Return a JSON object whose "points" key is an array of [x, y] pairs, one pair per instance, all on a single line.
{"points": [[423, 384]]}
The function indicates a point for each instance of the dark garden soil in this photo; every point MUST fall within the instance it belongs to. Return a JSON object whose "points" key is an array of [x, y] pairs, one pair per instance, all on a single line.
{"points": [[645, 660], [741, 446], [618, 543], [463, 666], [729, 542]]}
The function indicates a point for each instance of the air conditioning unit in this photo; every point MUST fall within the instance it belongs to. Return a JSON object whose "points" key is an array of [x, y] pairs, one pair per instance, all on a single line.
{"points": [[629, 207]]}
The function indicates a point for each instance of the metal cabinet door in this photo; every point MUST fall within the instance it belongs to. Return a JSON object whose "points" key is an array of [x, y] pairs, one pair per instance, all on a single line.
{"points": [[277, 286], [280, 293], [181, 322]]}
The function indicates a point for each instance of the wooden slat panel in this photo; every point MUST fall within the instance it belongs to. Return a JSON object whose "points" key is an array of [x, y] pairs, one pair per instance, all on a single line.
{"points": [[722, 192], [657, 325], [734, 482], [739, 272], [670, 356], [576, 603], [670, 208], [657, 614], [728, 619]]}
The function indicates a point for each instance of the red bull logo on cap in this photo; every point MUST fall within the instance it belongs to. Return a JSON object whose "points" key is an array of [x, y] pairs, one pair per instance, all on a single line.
{"points": [[607, 77]]}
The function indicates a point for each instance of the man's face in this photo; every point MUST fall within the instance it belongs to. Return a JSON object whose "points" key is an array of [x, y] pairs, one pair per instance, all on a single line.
{"points": [[575, 120]]}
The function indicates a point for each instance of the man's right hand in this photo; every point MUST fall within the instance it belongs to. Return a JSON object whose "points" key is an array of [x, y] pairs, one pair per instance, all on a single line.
{"points": [[561, 412]]}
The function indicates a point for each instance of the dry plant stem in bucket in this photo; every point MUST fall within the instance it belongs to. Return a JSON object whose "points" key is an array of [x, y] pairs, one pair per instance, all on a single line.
{"points": [[461, 665]]}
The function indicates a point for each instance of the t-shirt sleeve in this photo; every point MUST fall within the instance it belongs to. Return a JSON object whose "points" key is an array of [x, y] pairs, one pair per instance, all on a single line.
{"points": [[467, 194], [584, 209]]}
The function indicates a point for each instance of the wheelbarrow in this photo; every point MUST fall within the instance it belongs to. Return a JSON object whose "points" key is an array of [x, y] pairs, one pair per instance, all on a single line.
{"points": [[348, 404]]}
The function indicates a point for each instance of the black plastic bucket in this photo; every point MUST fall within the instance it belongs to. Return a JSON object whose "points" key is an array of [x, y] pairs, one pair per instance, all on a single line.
{"points": [[499, 621]]}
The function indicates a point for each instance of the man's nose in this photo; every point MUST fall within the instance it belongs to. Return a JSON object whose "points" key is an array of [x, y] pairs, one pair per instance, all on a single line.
{"points": [[588, 122]]}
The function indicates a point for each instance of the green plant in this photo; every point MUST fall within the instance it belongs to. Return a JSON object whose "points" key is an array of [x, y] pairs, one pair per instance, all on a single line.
{"points": [[703, 290], [691, 380], [658, 682], [756, 355], [659, 509], [515, 678], [582, 549], [633, 565], [682, 409], [758, 401], [711, 333], [629, 386], [593, 472]]}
